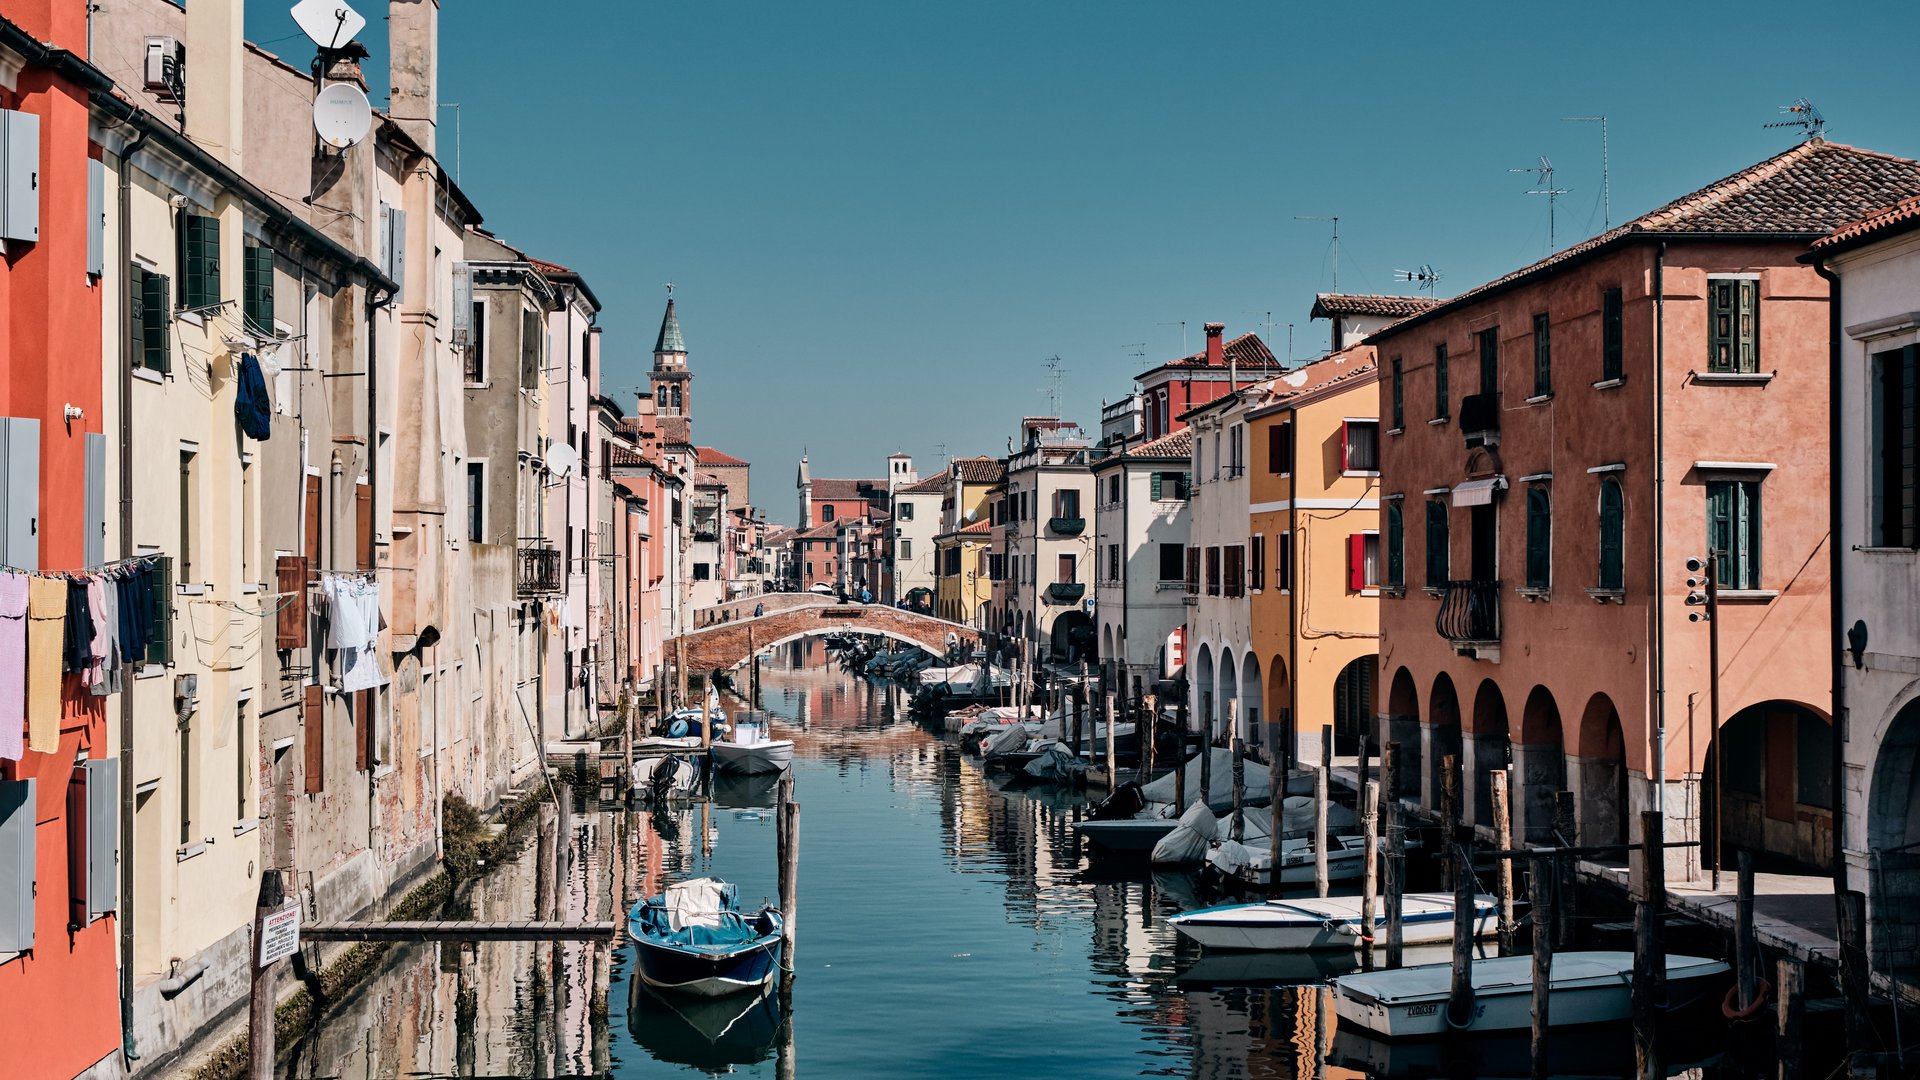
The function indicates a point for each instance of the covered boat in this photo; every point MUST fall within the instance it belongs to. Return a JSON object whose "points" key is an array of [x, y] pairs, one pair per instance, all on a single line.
{"points": [[693, 939], [1251, 862], [1331, 922]]}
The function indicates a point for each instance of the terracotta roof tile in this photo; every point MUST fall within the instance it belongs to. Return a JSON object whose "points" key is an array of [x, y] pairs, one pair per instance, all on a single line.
{"points": [[979, 470], [710, 456], [1904, 212], [546, 267], [1328, 305], [1246, 351], [1177, 445], [1348, 363], [839, 490], [932, 485]]}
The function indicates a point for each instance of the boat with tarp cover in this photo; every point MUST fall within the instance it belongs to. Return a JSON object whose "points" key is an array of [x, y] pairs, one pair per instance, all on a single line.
{"points": [[694, 939]]}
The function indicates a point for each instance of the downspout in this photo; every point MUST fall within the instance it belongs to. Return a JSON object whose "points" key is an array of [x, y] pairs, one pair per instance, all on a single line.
{"points": [[1659, 769], [566, 524], [373, 501], [1289, 732], [125, 914], [1836, 571]]}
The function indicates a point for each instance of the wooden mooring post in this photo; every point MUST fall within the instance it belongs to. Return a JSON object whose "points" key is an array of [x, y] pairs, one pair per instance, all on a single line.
{"points": [[1543, 890], [1206, 760], [1650, 967], [260, 1033], [1320, 796], [1079, 722], [1239, 780], [1370, 871], [787, 848], [1113, 752], [1396, 851], [1564, 892], [1277, 786], [1746, 953], [1460, 1004], [1180, 761], [1450, 809], [1503, 869], [1790, 1013]]}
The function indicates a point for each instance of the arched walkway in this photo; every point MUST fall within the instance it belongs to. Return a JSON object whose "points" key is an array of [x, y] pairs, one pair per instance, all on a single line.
{"points": [[1253, 715], [1778, 801], [1071, 639], [1443, 740], [1893, 824], [1403, 728], [1203, 690], [1491, 750], [1280, 705], [1541, 757], [1353, 692], [1228, 689], [1599, 773]]}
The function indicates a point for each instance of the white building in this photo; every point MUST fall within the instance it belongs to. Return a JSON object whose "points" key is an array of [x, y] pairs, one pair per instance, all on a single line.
{"points": [[1047, 547], [1219, 625], [1141, 522], [916, 521]]}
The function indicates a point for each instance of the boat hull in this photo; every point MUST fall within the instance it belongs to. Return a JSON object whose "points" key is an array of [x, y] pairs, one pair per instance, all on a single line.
{"points": [[1280, 926], [702, 974], [753, 759], [1127, 834]]}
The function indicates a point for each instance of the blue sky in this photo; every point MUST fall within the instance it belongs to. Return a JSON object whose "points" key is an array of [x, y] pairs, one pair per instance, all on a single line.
{"points": [[882, 218]]}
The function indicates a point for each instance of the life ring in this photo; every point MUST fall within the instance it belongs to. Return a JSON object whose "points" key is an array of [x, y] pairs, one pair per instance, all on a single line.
{"points": [[1730, 1005], [678, 729]]}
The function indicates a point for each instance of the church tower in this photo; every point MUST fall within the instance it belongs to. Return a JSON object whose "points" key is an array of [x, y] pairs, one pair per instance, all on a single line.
{"points": [[671, 382], [804, 484]]}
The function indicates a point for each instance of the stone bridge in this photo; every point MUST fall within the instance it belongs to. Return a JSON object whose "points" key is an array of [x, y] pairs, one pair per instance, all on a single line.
{"points": [[730, 644]]}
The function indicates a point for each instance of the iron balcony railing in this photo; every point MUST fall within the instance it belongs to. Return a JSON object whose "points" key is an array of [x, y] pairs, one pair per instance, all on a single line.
{"points": [[1480, 419], [538, 572], [1469, 612], [1067, 526], [1065, 592]]}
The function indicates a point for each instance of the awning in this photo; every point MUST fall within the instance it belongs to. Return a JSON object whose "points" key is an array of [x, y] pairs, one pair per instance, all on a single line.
{"points": [[1478, 492]]}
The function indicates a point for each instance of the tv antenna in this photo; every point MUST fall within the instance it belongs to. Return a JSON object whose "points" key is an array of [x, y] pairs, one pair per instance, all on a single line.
{"points": [[1135, 349], [1543, 173], [1801, 114], [1335, 218], [1424, 274], [1183, 335], [1055, 373], [1606, 184]]}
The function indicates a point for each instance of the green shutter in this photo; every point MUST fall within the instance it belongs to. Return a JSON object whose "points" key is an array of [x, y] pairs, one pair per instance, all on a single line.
{"points": [[1186, 486], [1436, 543], [157, 327], [1399, 410], [1613, 335], [1612, 535], [1720, 328], [137, 316], [1396, 555], [1747, 327], [1542, 356], [1720, 538], [1440, 382], [160, 649], [1156, 486], [258, 290], [1539, 538], [200, 265]]}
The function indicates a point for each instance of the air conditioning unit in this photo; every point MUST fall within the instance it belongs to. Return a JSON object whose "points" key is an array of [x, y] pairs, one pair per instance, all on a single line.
{"points": [[166, 67]]}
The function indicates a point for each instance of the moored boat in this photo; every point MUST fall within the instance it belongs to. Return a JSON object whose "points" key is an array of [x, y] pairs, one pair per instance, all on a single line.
{"points": [[751, 752], [694, 939], [1331, 922]]}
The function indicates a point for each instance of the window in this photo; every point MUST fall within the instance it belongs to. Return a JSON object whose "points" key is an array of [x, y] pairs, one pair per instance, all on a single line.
{"points": [[257, 289], [906, 510], [189, 507], [1613, 535], [1894, 444], [1436, 543], [1113, 562], [906, 549], [660, 398], [185, 794], [1733, 530], [1235, 558], [1360, 446], [477, 501], [1066, 503], [1363, 561], [1217, 457], [1283, 562], [473, 360], [1440, 407], [1113, 490], [1396, 547], [1257, 547], [702, 571], [1489, 343], [1539, 537], [679, 399], [1542, 356], [531, 337], [1612, 336], [1280, 448], [1733, 325], [147, 330], [1213, 571], [160, 647], [1170, 486], [1193, 571], [1399, 396], [199, 254], [826, 511], [1173, 558], [1236, 450], [242, 765]]}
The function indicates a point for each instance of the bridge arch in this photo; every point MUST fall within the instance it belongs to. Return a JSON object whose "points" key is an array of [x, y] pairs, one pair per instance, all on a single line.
{"points": [[730, 644]]}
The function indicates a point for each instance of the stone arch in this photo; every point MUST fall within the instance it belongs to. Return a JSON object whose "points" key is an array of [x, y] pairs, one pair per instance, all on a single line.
{"points": [[1106, 642], [1490, 751], [1599, 774], [1253, 715], [1541, 760], [1893, 827], [1403, 727], [1227, 691], [1353, 704], [1279, 694], [1778, 800], [1071, 637], [1203, 689], [1443, 739]]}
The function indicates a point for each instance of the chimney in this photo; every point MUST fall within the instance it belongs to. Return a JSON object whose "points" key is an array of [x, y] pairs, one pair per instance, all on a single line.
{"points": [[1216, 354], [413, 75], [215, 30]]}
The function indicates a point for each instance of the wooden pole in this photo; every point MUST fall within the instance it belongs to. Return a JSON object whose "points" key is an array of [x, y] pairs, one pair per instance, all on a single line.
{"points": [[1180, 762], [1239, 778], [1277, 785], [1149, 749], [1113, 756], [1320, 875], [1650, 967], [1790, 1015], [1564, 893], [1460, 1005], [1206, 760], [789, 882], [1396, 851], [1370, 872], [1855, 972], [1449, 807], [680, 670], [260, 1033], [1746, 958], [1503, 868], [1543, 890], [1079, 722]]}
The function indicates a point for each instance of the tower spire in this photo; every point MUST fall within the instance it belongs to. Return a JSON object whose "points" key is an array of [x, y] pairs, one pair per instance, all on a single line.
{"points": [[669, 340]]}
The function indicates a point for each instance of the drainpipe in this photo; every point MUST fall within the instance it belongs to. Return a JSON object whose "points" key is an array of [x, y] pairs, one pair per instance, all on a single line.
{"points": [[1289, 730], [1659, 769], [373, 498], [125, 915], [1836, 571]]}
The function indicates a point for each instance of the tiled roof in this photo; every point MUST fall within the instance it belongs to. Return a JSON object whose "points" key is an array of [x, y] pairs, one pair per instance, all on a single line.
{"points": [[670, 340], [826, 530], [1246, 351], [980, 526], [1812, 189], [932, 485], [1328, 305], [1899, 217], [979, 470], [838, 490], [546, 267], [1177, 445], [623, 455], [710, 456], [1348, 364]]}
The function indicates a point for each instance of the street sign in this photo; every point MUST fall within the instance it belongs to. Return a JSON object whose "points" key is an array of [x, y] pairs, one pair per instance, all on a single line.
{"points": [[279, 934]]}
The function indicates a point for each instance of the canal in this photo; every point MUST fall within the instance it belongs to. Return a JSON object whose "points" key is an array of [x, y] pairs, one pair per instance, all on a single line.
{"points": [[946, 928]]}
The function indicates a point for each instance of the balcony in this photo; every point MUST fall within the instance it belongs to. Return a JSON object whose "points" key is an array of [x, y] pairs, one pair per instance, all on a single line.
{"points": [[537, 572], [1480, 419], [1470, 613], [1066, 592], [1066, 526]]}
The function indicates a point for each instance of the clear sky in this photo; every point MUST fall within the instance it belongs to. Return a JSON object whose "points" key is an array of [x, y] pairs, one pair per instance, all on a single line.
{"points": [[882, 219]]}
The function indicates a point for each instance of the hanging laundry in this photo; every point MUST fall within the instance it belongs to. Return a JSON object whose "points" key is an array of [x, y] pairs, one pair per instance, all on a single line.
{"points": [[77, 639], [104, 652], [13, 664], [46, 627], [252, 407], [353, 629]]}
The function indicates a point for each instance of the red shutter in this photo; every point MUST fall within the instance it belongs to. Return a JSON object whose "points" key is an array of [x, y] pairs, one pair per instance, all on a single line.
{"points": [[363, 525], [290, 621], [313, 724], [1346, 448], [1357, 561]]}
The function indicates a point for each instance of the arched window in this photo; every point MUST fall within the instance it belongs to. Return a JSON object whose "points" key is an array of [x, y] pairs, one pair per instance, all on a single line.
{"points": [[1539, 537], [660, 398], [1436, 543], [1613, 539], [1396, 545], [678, 404]]}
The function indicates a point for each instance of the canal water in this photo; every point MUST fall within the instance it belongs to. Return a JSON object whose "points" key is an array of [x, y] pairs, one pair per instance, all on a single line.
{"points": [[946, 928]]}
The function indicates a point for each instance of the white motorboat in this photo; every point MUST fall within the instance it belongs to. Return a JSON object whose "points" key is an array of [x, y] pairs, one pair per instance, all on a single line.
{"points": [[1252, 864], [666, 776], [1331, 922], [1586, 988], [1127, 834], [751, 752]]}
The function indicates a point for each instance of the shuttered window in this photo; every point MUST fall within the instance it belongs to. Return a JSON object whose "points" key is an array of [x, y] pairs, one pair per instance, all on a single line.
{"points": [[18, 824], [531, 339], [1441, 410], [1235, 574], [1542, 356], [290, 619], [1173, 558], [1539, 537], [313, 732], [1896, 467], [1733, 325], [1213, 571], [1733, 530], [1613, 538], [1360, 445], [1436, 543], [1396, 547], [363, 526], [1613, 336], [160, 648], [1489, 343], [1193, 570], [1280, 448], [149, 327], [1283, 562], [1258, 548], [257, 291], [199, 243], [1399, 396]]}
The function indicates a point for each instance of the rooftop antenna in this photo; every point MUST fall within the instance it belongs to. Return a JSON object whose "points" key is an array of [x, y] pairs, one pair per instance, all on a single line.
{"points": [[1335, 218], [1544, 174], [1606, 184], [1055, 372], [1803, 115], [1424, 274], [1183, 336]]}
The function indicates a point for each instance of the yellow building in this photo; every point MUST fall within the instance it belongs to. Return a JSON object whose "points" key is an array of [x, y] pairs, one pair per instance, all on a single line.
{"points": [[1314, 522], [962, 588]]}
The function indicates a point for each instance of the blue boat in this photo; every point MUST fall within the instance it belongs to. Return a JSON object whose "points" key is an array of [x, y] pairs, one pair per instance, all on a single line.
{"points": [[694, 939]]}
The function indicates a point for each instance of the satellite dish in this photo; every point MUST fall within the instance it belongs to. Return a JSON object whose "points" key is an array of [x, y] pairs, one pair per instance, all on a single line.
{"points": [[342, 115], [330, 23]]}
